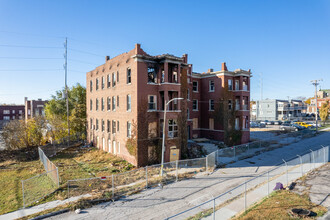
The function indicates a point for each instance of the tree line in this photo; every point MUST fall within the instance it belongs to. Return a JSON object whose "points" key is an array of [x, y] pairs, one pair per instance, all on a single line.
{"points": [[53, 125]]}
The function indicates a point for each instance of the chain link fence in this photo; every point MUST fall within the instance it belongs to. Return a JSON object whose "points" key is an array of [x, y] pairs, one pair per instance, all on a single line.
{"points": [[124, 184], [40, 186], [261, 186]]}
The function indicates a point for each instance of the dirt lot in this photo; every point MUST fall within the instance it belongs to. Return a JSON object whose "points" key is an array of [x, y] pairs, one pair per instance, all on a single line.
{"points": [[317, 185]]}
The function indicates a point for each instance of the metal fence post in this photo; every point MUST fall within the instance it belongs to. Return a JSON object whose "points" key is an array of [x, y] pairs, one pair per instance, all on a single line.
{"points": [[23, 193], [68, 188], [301, 165], [312, 159], [234, 152], [113, 189], [146, 177], [58, 177], [324, 154], [245, 197], [206, 163], [287, 174], [213, 209], [268, 183], [176, 170]]}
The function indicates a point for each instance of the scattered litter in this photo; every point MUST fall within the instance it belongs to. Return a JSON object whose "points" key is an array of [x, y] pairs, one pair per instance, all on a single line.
{"points": [[77, 211], [292, 185], [279, 186]]}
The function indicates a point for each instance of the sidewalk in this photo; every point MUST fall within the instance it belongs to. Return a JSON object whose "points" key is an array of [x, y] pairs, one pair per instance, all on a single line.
{"points": [[238, 206], [39, 208]]}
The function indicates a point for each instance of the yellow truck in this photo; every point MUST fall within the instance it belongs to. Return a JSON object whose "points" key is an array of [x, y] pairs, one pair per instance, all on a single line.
{"points": [[303, 124]]}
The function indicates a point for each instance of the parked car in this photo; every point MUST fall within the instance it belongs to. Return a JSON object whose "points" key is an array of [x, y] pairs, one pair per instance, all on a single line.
{"points": [[277, 122], [262, 125], [313, 124], [254, 124], [291, 127], [303, 124], [270, 123]]}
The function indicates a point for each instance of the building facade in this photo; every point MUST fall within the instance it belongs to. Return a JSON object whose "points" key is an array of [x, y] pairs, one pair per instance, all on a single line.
{"points": [[34, 108], [10, 112], [126, 98], [276, 109]]}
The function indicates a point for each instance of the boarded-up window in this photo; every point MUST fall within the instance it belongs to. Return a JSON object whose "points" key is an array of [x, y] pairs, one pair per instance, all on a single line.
{"points": [[211, 123], [195, 123], [152, 129]]}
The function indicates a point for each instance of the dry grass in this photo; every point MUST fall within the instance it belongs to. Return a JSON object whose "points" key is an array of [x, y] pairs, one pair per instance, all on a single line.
{"points": [[278, 206]]}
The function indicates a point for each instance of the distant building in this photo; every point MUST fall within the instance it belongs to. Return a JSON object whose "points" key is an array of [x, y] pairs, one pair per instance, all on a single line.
{"points": [[11, 112], [130, 91], [276, 109], [34, 108]]}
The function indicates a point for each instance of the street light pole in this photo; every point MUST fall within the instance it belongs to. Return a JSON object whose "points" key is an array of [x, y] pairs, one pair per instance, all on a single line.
{"points": [[316, 83], [164, 126]]}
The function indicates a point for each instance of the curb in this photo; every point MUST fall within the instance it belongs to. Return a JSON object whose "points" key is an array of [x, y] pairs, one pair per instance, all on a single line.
{"points": [[51, 214]]}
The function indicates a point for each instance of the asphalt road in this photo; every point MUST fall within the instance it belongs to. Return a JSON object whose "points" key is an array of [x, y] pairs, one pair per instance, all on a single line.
{"points": [[173, 198]]}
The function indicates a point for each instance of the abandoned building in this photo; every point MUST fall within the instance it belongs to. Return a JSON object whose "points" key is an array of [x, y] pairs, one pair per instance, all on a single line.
{"points": [[127, 95]]}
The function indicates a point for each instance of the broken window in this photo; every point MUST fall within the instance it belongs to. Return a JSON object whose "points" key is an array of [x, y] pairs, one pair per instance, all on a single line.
{"points": [[91, 124], [195, 86], [163, 76], [129, 79], [172, 128], [102, 125], [113, 79], [113, 126], [211, 86], [97, 84], [108, 80], [195, 105], [97, 105], [108, 126], [152, 102], [102, 105], [97, 124], [211, 105], [103, 82], [152, 75], [108, 103]]}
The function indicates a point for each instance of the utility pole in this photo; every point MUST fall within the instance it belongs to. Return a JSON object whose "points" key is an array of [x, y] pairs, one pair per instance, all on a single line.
{"points": [[66, 85], [289, 106], [261, 86], [316, 83]]}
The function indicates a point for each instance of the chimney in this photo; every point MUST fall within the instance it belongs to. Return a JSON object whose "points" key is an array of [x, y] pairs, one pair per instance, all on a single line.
{"points": [[107, 58], [25, 99], [185, 58], [210, 70], [224, 67], [137, 48], [249, 70]]}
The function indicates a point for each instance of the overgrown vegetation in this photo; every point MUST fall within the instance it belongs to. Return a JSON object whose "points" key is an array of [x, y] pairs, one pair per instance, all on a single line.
{"points": [[75, 162], [279, 204], [225, 114], [38, 130], [324, 112]]}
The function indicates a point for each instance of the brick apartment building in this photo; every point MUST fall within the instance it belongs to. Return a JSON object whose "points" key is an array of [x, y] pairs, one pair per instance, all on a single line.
{"points": [[10, 112], [34, 108], [126, 98]]}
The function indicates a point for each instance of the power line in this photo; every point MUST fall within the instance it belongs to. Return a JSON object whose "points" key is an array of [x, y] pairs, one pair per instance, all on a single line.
{"points": [[85, 52], [26, 46], [40, 35], [32, 58], [22, 70], [80, 61]]}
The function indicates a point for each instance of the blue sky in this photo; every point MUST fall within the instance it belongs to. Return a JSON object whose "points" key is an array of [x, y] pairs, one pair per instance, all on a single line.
{"points": [[285, 41]]}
